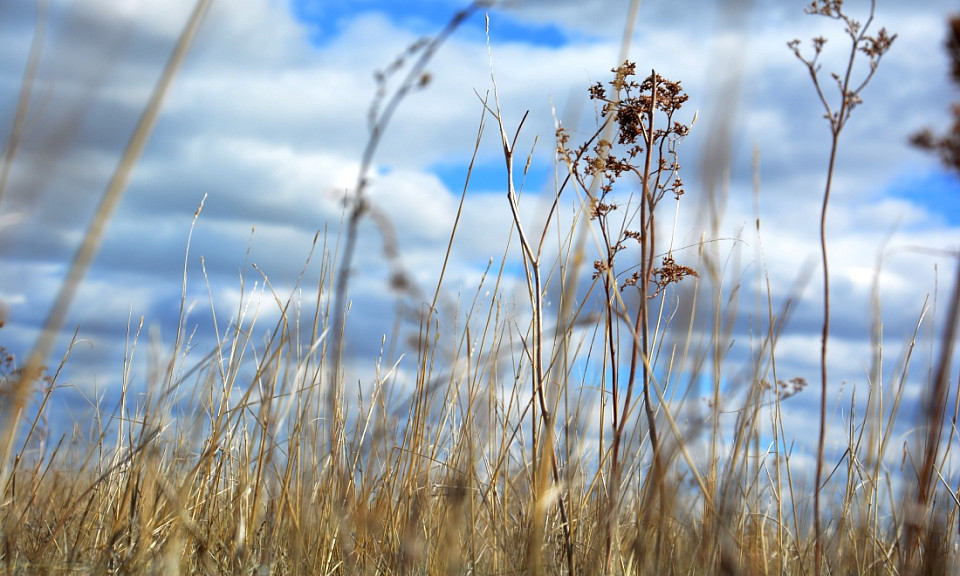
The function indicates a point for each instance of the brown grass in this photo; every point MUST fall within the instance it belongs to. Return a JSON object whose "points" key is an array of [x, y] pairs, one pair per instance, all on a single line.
{"points": [[557, 440]]}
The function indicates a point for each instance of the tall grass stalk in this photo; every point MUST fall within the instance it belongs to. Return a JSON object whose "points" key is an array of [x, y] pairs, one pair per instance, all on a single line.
{"points": [[873, 47], [925, 526], [495, 434], [31, 371]]}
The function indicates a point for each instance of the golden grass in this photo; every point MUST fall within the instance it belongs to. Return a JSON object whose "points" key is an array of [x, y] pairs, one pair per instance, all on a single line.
{"points": [[560, 440]]}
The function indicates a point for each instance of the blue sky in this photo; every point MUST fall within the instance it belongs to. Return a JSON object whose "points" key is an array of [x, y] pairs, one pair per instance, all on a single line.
{"points": [[326, 21], [937, 190], [268, 119]]}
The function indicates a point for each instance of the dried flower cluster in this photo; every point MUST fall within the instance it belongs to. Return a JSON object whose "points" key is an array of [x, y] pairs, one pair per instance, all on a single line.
{"points": [[637, 136], [644, 145], [785, 388], [947, 146], [872, 46]]}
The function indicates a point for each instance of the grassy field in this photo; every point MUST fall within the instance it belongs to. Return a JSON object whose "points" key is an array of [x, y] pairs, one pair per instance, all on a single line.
{"points": [[559, 439]]}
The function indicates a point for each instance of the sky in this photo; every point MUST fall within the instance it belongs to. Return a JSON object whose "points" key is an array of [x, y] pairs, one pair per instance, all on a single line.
{"points": [[266, 123]]}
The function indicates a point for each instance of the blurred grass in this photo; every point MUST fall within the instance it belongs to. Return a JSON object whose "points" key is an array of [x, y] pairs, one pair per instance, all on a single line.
{"points": [[503, 444]]}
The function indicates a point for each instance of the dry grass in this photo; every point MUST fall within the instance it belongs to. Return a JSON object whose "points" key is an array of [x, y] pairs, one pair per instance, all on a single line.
{"points": [[557, 440]]}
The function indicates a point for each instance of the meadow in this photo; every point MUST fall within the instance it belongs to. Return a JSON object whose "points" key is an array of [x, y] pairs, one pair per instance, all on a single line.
{"points": [[532, 431]]}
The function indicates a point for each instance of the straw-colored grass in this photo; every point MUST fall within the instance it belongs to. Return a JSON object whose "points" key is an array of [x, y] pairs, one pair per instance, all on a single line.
{"points": [[558, 440]]}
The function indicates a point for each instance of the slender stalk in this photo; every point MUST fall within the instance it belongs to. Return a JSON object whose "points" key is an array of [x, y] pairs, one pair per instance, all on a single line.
{"points": [[933, 418], [824, 338], [92, 239], [531, 259], [873, 47], [359, 206]]}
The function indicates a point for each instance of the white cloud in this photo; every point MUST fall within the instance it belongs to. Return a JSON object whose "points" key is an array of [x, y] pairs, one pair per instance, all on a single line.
{"points": [[271, 128]]}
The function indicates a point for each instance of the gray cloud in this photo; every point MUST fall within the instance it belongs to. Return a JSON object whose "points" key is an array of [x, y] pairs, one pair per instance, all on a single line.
{"points": [[271, 129]]}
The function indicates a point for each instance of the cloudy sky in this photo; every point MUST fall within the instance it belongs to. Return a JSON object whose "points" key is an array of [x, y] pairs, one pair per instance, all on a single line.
{"points": [[268, 119]]}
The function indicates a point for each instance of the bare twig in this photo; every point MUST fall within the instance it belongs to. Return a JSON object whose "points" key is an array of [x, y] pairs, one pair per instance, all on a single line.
{"points": [[874, 47]]}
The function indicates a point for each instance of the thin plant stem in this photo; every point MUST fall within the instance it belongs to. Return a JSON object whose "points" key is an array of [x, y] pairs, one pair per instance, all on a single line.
{"points": [[873, 47], [92, 240]]}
